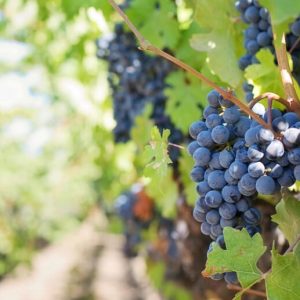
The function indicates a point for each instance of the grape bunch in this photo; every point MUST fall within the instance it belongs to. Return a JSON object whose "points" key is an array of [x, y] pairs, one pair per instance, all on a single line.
{"points": [[259, 35], [136, 79], [136, 210], [235, 160]]}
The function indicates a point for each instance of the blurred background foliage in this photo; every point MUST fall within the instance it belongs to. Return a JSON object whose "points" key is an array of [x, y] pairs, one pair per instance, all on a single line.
{"points": [[58, 159]]}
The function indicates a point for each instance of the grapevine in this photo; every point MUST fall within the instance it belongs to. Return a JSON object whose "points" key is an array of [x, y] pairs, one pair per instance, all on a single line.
{"points": [[236, 157]]}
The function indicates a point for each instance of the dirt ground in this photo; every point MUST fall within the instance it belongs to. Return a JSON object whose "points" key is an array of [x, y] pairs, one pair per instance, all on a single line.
{"points": [[86, 265]]}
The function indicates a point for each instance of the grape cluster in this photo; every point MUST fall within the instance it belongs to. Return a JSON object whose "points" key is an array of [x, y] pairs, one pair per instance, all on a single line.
{"points": [[235, 159], [259, 35], [137, 213], [136, 79]]}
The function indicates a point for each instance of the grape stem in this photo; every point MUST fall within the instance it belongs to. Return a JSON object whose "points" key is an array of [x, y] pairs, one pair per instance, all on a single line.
{"points": [[285, 71], [234, 287], [272, 96], [147, 46], [294, 45], [176, 146]]}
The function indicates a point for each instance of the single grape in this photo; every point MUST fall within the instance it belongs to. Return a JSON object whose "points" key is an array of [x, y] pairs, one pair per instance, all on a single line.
{"points": [[242, 126], [198, 215], [216, 179], [214, 163], [216, 230], [237, 169], [247, 185], [197, 174], [213, 199], [265, 185], [213, 217], [226, 158], [205, 228], [231, 193], [227, 210], [202, 156], [229, 179], [252, 14], [256, 169], [220, 134], [209, 110], [203, 187], [213, 120], [242, 205], [204, 139], [291, 137], [213, 98], [228, 222], [201, 205], [274, 150], [297, 172], [251, 136], [231, 115], [255, 153], [287, 179], [263, 39], [192, 147], [294, 156], [196, 128], [252, 216]]}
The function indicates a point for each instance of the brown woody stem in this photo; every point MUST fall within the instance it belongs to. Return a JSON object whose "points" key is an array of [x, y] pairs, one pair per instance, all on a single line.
{"points": [[272, 96], [234, 287], [146, 46], [285, 71]]}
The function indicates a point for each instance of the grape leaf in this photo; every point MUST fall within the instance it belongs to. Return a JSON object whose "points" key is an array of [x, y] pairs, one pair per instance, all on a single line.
{"points": [[72, 8], [185, 97], [288, 218], [265, 75], [241, 256], [283, 281], [186, 163], [141, 131], [164, 191], [282, 11], [222, 39], [185, 52], [156, 154], [156, 21]]}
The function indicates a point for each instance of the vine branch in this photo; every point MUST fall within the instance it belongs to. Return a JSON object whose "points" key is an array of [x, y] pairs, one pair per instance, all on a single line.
{"points": [[147, 46], [237, 288], [285, 72]]}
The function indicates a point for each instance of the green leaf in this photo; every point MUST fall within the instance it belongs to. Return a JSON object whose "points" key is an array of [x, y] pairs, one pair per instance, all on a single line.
{"points": [[185, 52], [241, 256], [156, 20], [265, 75], [282, 11], [72, 8], [185, 95], [156, 154], [186, 163], [283, 281], [222, 39], [288, 218], [282, 14], [141, 132], [164, 191]]}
